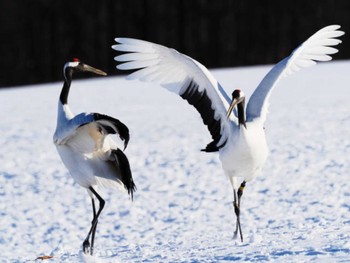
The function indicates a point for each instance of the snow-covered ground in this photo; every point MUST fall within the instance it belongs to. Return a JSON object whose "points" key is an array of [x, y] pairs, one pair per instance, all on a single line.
{"points": [[297, 210]]}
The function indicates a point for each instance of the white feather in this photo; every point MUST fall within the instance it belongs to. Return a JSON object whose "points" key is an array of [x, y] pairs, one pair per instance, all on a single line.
{"points": [[315, 48], [136, 56], [84, 150], [173, 71]]}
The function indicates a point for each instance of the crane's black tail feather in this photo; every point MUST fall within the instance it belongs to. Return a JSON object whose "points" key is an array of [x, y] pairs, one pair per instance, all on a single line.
{"points": [[112, 126], [126, 176]]}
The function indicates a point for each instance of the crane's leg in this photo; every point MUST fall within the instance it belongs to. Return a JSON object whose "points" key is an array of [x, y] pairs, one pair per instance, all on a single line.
{"points": [[87, 248], [93, 230], [237, 207]]}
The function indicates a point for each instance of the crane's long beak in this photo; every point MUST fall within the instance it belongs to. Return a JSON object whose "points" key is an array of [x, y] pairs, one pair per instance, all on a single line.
{"points": [[233, 104], [94, 70]]}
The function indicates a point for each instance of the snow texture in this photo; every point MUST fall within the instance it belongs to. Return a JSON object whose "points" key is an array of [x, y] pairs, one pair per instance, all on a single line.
{"points": [[297, 210]]}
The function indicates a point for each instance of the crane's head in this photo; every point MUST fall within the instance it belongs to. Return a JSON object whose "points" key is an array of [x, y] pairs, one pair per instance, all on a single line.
{"points": [[77, 66], [238, 97]]}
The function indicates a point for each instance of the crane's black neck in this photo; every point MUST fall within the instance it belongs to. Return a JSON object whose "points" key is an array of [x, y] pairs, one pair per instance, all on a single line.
{"points": [[241, 113], [66, 86]]}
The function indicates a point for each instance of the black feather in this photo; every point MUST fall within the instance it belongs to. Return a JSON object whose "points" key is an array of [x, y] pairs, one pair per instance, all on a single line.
{"points": [[126, 176], [202, 103], [122, 129]]}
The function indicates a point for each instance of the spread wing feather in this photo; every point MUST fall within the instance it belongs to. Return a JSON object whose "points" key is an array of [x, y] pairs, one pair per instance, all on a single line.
{"points": [[182, 75], [316, 48]]}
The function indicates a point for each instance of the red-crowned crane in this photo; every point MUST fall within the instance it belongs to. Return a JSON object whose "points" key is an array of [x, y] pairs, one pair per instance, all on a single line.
{"points": [[86, 149], [239, 137]]}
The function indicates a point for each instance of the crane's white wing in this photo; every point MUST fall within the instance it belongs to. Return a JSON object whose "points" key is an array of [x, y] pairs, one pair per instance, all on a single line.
{"points": [[316, 48], [86, 150], [87, 132], [182, 75]]}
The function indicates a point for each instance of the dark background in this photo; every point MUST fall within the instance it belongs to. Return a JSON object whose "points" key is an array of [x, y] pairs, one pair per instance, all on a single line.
{"points": [[38, 36]]}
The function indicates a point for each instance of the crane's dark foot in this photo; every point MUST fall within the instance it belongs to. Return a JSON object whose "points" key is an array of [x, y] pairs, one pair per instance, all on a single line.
{"points": [[86, 247], [235, 234]]}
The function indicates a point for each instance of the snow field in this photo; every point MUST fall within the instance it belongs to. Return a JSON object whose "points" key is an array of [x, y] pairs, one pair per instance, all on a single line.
{"points": [[297, 210]]}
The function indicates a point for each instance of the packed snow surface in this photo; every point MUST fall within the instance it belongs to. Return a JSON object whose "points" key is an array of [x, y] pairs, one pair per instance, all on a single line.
{"points": [[296, 210]]}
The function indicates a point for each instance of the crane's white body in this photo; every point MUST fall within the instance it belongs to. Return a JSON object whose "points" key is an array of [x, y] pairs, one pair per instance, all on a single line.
{"points": [[84, 150], [245, 151]]}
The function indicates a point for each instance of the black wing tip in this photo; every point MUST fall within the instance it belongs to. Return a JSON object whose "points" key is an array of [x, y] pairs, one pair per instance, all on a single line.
{"points": [[211, 147], [126, 138], [123, 130], [132, 191], [202, 102], [209, 150], [126, 175]]}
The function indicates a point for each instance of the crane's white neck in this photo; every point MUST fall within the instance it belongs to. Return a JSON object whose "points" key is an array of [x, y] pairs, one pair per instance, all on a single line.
{"points": [[63, 113]]}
